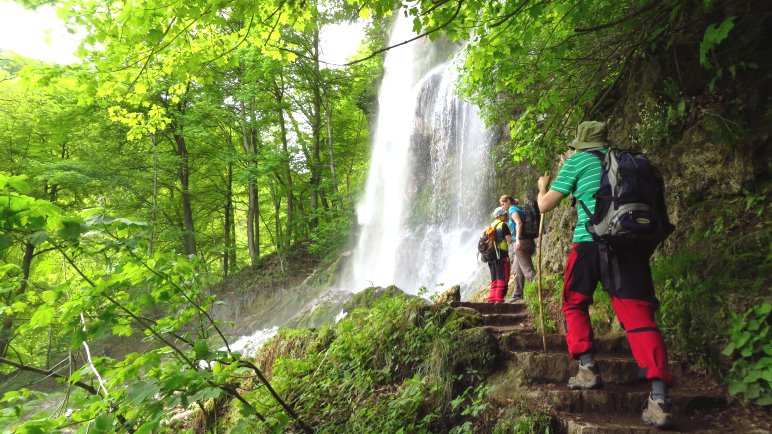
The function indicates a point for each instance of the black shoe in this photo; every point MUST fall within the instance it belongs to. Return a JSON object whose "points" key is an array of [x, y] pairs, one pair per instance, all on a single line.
{"points": [[515, 298]]}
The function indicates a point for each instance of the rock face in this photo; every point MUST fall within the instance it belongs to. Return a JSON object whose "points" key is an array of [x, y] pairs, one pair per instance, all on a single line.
{"points": [[707, 130]]}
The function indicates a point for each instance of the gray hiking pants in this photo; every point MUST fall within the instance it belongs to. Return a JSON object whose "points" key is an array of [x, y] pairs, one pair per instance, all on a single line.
{"points": [[523, 265]]}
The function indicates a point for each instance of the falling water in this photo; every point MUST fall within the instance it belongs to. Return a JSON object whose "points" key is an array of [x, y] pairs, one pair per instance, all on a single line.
{"points": [[427, 194]]}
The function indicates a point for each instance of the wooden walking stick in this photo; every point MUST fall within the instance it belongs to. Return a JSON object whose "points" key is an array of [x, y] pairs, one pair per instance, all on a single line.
{"points": [[541, 305]]}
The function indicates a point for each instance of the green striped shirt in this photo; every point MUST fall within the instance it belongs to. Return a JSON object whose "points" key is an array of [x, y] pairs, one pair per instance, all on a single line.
{"points": [[580, 176]]}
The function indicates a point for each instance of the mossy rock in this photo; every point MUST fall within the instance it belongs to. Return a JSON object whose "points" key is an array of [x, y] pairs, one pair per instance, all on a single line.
{"points": [[476, 353], [368, 297], [452, 294], [466, 317], [323, 313]]}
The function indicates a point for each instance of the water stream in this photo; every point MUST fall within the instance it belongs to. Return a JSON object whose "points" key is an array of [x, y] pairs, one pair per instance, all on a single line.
{"points": [[428, 190]]}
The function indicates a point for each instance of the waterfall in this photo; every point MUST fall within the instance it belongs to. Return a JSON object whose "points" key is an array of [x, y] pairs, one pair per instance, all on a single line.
{"points": [[427, 195]]}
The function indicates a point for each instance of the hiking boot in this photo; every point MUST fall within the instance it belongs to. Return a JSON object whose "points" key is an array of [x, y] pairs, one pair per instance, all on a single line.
{"points": [[515, 298], [657, 413], [587, 378]]}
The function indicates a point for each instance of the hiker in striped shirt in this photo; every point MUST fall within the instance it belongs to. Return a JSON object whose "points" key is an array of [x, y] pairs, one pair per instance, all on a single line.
{"points": [[634, 302]]}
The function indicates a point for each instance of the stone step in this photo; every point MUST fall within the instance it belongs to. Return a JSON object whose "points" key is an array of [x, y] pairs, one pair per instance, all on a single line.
{"points": [[593, 423], [523, 328], [614, 344], [492, 308], [559, 367], [622, 399], [504, 319]]}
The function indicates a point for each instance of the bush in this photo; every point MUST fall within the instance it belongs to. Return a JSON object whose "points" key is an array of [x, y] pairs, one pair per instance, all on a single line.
{"points": [[399, 366], [751, 343]]}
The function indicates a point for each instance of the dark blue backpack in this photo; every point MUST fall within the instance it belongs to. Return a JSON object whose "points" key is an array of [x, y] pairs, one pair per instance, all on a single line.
{"points": [[530, 217], [630, 203]]}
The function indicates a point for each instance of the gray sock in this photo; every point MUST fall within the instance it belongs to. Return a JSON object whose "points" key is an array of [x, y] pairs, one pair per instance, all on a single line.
{"points": [[586, 359], [658, 390]]}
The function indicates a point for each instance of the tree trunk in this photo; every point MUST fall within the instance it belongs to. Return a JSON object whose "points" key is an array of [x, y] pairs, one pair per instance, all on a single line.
{"points": [[228, 247], [188, 234], [328, 115], [279, 94], [151, 242], [251, 189], [316, 127], [6, 329]]}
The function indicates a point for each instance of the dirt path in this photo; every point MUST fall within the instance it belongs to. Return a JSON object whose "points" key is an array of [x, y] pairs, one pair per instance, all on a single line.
{"points": [[699, 404]]}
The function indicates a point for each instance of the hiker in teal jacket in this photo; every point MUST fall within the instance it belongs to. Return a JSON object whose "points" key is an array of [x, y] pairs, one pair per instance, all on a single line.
{"points": [[522, 248], [633, 301]]}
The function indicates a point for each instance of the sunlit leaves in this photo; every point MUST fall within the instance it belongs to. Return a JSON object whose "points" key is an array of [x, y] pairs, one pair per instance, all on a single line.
{"points": [[42, 316]]}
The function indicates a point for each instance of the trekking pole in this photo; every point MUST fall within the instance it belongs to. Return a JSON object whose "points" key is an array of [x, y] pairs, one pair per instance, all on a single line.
{"points": [[541, 304]]}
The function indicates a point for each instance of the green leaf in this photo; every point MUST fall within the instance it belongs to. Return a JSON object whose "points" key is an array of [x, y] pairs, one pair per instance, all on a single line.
{"points": [[147, 428], [6, 241], [764, 309], [104, 423], [713, 36], [201, 348], [5, 268], [122, 330], [765, 399], [728, 350], [753, 391], [19, 184], [207, 393], [155, 35], [77, 338], [71, 228], [36, 223], [48, 296], [737, 387], [38, 238], [42, 316], [743, 339], [141, 391]]}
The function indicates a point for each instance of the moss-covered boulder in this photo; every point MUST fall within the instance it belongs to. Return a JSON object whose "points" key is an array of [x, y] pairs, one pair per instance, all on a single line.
{"points": [[466, 317], [368, 297], [452, 294]]}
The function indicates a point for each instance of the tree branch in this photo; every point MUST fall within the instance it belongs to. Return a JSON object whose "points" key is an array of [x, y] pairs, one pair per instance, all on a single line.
{"points": [[648, 6], [48, 373], [379, 51]]}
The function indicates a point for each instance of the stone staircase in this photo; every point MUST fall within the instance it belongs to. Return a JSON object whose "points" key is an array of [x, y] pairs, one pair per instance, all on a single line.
{"points": [[615, 409]]}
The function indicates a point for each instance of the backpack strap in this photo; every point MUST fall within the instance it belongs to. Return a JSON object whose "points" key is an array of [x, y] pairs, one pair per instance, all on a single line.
{"points": [[596, 152], [609, 268]]}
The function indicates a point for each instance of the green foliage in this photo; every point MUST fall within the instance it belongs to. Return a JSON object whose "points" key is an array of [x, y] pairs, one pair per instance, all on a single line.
{"points": [[751, 345], [551, 298], [394, 367], [101, 303], [520, 419], [714, 35], [330, 236], [602, 316], [693, 310]]}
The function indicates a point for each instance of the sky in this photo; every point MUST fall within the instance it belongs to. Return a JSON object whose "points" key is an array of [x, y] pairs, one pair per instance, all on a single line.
{"points": [[41, 35]]}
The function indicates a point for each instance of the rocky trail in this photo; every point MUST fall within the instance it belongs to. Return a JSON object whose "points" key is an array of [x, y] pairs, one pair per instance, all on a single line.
{"points": [[699, 404]]}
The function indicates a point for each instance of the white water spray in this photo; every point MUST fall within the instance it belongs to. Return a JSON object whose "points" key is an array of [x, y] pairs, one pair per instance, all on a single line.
{"points": [[428, 190]]}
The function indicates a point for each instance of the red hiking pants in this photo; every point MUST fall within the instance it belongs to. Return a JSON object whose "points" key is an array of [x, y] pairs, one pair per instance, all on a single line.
{"points": [[499, 269], [634, 304]]}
